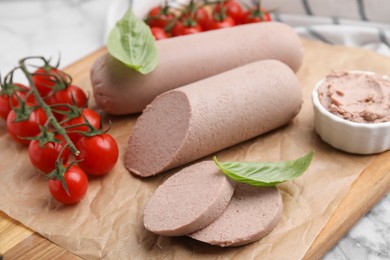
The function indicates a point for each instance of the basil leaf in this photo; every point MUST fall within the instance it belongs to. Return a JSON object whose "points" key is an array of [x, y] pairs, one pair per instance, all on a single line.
{"points": [[265, 173], [132, 42]]}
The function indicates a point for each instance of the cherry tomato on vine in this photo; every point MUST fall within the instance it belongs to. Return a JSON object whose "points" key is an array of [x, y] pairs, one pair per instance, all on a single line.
{"points": [[92, 117], [159, 17], [214, 24], [77, 183], [7, 102], [185, 28], [45, 81], [44, 158], [98, 154], [67, 96], [159, 33], [256, 15], [200, 15], [5, 106], [232, 9], [28, 128]]}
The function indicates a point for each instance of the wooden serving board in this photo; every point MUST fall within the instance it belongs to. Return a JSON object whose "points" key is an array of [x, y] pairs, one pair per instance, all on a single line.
{"points": [[20, 242]]}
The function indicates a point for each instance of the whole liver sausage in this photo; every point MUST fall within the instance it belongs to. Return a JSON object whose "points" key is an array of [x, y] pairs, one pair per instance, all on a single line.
{"points": [[188, 201], [251, 214], [193, 121], [186, 59]]}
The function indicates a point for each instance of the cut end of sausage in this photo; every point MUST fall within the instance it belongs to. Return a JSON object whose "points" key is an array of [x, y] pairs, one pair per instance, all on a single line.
{"points": [[188, 201], [148, 151], [201, 118], [251, 214]]}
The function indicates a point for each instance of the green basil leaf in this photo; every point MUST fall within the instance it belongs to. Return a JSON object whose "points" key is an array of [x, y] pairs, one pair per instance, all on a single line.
{"points": [[132, 42], [265, 173]]}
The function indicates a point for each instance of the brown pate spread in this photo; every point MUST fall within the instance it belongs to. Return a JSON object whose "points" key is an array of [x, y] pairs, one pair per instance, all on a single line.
{"points": [[357, 97]]}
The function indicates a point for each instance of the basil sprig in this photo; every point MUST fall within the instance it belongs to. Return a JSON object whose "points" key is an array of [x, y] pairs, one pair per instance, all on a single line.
{"points": [[132, 42], [265, 173]]}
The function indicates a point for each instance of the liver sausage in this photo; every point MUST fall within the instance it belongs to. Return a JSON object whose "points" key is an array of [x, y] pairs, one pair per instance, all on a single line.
{"points": [[188, 201], [251, 214], [186, 59], [193, 121]]}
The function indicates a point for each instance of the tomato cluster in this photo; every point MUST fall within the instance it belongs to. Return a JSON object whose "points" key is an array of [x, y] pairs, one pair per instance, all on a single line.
{"points": [[51, 117], [166, 21]]}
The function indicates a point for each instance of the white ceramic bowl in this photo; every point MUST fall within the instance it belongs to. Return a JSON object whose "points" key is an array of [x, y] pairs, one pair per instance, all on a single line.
{"points": [[352, 137]]}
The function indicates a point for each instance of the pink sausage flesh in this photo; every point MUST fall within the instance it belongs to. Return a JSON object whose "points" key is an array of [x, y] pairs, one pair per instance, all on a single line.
{"points": [[201, 118], [251, 214], [182, 60], [188, 201]]}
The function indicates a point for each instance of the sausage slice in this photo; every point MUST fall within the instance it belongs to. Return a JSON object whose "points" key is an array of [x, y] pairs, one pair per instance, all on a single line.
{"points": [[251, 214], [193, 121], [188, 201]]}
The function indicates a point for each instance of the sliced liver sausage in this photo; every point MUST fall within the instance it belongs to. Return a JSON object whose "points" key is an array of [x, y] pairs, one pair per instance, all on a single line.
{"points": [[251, 214], [188, 201], [182, 60], [193, 121]]}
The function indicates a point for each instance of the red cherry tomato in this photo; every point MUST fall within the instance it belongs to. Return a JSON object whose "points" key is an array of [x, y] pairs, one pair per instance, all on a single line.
{"points": [[256, 15], [6, 103], [232, 9], [215, 24], [67, 96], [28, 128], [185, 28], [92, 117], [5, 106], [200, 15], [45, 81], [177, 29], [98, 154], [159, 33], [77, 183], [44, 158], [159, 17]]}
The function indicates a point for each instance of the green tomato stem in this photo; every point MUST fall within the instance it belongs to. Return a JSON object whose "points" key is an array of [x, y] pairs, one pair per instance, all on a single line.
{"points": [[51, 118]]}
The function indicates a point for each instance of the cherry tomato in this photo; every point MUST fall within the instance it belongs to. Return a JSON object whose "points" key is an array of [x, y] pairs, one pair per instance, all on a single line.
{"points": [[159, 17], [98, 154], [201, 16], [28, 128], [77, 183], [6, 103], [5, 106], [214, 24], [185, 28], [159, 33], [67, 96], [256, 15], [45, 81], [232, 9], [44, 158], [92, 117]]}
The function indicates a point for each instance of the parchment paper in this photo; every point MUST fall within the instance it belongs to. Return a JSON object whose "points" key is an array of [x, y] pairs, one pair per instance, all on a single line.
{"points": [[108, 222]]}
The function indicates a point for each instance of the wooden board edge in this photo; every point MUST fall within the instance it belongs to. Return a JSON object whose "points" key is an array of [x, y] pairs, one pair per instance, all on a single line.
{"points": [[340, 222], [86, 59], [37, 247]]}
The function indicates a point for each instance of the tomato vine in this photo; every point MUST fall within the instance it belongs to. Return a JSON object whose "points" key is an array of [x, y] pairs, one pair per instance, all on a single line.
{"points": [[51, 115]]}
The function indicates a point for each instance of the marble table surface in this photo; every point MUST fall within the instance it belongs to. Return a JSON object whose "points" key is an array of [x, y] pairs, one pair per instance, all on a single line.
{"points": [[75, 28]]}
